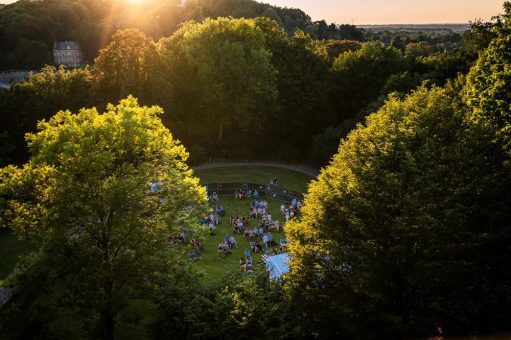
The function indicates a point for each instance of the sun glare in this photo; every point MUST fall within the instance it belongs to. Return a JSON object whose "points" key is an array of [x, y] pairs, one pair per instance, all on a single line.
{"points": [[137, 2]]}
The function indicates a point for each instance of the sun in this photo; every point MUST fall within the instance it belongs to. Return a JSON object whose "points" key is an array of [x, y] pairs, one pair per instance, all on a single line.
{"points": [[137, 2]]}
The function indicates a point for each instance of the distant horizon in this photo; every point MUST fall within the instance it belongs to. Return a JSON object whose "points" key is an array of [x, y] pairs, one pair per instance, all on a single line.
{"points": [[401, 12], [417, 24], [377, 12]]}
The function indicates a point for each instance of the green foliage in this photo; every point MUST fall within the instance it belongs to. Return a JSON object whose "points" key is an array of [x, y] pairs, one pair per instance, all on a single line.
{"points": [[33, 54], [488, 89], [129, 65], [406, 228], [356, 89], [39, 97], [29, 28], [443, 66], [239, 307], [420, 49], [85, 198], [303, 105], [271, 14], [331, 49], [209, 63], [479, 36]]}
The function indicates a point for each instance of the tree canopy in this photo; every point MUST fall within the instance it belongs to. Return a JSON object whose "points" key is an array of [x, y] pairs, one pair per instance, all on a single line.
{"points": [[129, 65], [488, 89], [406, 226], [100, 196], [224, 66]]}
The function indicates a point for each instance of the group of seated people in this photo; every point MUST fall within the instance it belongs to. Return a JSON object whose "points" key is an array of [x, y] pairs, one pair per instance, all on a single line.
{"points": [[212, 220], [260, 237], [224, 247], [290, 210], [244, 193], [239, 194], [246, 263], [239, 223], [255, 246], [258, 208]]}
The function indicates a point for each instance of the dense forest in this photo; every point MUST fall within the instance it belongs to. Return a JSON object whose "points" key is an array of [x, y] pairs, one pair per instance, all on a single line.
{"points": [[404, 234], [301, 93]]}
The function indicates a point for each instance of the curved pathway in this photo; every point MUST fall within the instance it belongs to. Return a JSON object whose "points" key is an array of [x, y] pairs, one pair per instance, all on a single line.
{"points": [[309, 170]]}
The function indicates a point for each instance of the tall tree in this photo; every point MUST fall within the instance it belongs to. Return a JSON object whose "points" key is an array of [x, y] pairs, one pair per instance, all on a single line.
{"points": [[221, 74], [303, 106], [488, 89], [407, 228], [362, 74], [129, 65], [100, 196]]}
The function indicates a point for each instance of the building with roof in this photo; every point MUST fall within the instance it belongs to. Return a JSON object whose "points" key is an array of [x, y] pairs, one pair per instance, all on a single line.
{"points": [[67, 53]]}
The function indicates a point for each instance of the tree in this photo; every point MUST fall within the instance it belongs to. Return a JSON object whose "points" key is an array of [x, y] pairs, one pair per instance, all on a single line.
{"points": [[445, 66], [488, 89], [34, 54], [479, 36], [238, 307], [406, 228], [37, 98], [100, 196], [362, 74], [303, 106], [222, 75], [129, 65], [420, 49], [331, 49], [270, 13]]}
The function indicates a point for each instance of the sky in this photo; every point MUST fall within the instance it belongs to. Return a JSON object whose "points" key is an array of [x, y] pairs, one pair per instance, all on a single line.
{"points": [[362, 12]]}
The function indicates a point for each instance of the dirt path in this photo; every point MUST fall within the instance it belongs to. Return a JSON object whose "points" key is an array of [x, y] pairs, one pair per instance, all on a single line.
{"points": [[309, 170]]}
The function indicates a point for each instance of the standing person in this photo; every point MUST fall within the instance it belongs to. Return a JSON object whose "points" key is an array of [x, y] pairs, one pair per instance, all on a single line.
{"points": [[275, 181]]}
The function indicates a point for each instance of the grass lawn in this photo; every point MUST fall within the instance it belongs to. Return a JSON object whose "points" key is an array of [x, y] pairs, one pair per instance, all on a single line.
{"points": [[211, 266], [10, 249], [288, 179]]}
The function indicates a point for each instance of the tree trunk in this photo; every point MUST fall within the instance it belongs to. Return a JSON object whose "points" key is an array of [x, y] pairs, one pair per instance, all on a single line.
{"points": [[220, 130], [108, 321], [107, 314]]}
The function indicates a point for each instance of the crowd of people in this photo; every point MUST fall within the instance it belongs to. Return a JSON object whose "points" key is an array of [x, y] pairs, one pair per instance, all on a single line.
{"points": [[256, 226]]}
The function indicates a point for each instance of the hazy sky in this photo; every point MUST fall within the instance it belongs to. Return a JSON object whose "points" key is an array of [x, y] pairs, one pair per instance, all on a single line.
{"points": [[392, 11], [396, 11]]}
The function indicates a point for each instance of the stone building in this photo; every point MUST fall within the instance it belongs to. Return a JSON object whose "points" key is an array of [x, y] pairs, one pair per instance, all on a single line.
{"points": [[67, 53]]}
